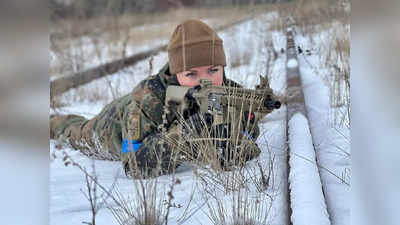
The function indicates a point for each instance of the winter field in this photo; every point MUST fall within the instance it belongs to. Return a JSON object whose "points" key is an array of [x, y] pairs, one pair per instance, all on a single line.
{"points": [[77, 44], [316, 189]]}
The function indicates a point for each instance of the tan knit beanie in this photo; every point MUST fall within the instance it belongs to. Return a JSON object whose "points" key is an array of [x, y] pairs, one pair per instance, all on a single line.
{"points": [[194, 44]]}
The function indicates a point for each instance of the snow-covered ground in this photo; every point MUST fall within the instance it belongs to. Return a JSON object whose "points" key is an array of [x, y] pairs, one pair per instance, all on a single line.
{"points": [[306, 197], [331, 141], [89, 51]]}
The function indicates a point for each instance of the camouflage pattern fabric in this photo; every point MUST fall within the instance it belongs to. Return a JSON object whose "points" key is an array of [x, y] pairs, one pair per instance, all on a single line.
{"points": [[128, 129]]}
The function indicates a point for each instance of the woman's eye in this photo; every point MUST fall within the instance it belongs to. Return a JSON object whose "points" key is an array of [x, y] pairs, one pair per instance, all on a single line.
{"points": [[213, 70], [189, 74]]}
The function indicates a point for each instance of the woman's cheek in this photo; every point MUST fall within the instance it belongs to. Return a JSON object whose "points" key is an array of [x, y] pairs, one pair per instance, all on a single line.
{"points": [[217, 80]]}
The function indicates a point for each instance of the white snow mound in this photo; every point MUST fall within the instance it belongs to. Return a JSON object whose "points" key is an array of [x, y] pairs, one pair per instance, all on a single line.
{"points": [[307, 200], [292, 63]]}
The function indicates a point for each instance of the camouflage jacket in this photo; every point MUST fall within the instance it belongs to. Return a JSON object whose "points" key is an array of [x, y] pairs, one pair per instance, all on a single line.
{"points": [[130, 126]]}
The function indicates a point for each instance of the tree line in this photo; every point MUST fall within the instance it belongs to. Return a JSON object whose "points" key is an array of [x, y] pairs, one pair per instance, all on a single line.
{"points": [[61, 9]]}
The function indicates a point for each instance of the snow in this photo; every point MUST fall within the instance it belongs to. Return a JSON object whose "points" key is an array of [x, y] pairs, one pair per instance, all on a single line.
{"points": [[106, 89], [89, 51], [332, 142], [86, 109], [292, 63], [306, 197]]}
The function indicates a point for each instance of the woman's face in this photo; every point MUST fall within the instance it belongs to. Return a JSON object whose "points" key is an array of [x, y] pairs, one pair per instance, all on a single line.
{"points": [[191, 78]]}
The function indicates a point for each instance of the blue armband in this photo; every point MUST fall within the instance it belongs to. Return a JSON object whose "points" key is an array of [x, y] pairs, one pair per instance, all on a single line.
{"points": [[249, 136], [132, 145]]}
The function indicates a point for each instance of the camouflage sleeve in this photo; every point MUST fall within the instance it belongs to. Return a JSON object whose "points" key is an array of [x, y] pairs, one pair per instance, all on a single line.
{"points": [[145, 150]]}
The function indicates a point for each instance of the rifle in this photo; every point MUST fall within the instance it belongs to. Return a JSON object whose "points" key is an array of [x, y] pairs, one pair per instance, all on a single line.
{"points": [[224, 106]]}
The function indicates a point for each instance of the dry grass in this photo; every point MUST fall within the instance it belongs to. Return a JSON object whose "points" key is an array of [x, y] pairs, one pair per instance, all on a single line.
{"points": [[149, 202], [339, 60], [242, 208], [239, 58], [142, 207], [238, 196], [312, 15], [217, 16], [214, 182]]}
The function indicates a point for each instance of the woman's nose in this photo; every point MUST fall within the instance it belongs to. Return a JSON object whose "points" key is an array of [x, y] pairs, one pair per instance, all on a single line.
{"points": [[203, 75]]}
